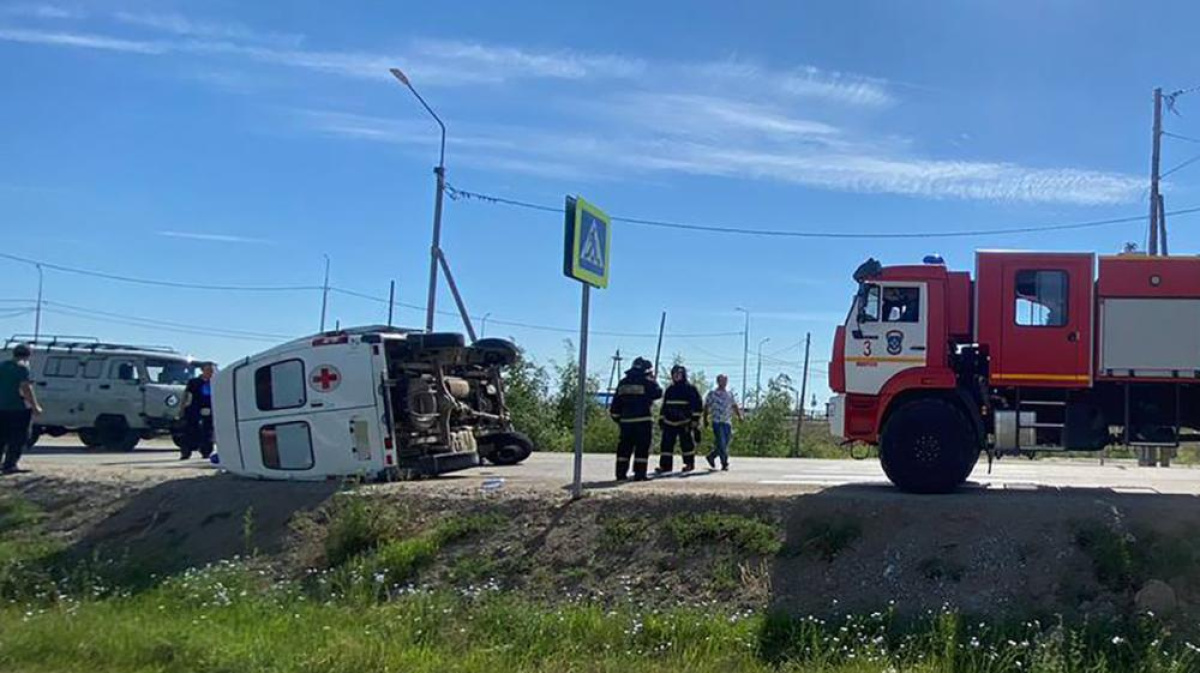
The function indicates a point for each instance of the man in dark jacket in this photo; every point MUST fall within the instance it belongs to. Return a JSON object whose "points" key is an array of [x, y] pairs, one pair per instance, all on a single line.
{"points": [[679, 420], [197, 414], [630, 407]]}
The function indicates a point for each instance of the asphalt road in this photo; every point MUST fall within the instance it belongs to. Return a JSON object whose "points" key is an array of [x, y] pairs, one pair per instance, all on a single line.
{"points": [[159, 459]]}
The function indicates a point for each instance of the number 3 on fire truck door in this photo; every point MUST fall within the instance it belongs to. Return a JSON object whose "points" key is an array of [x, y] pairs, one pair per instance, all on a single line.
{"points": [[866, 348]]}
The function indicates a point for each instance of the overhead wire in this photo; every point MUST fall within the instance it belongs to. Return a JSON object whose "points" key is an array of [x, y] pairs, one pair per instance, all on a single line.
{"points": [[462, 194]]}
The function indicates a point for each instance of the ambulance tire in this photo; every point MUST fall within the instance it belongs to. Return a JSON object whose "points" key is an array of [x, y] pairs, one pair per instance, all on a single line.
{"points": [[507, 448], [927, 446]]}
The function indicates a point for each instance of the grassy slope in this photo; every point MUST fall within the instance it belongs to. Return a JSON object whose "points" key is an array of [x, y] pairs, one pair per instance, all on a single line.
{"points": [[359, 613]]}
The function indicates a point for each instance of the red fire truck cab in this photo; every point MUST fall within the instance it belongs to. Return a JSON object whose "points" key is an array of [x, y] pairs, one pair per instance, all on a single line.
{"points": [[1038, 353]]}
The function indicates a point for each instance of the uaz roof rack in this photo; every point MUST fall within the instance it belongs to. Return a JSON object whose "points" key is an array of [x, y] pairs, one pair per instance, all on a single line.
{"points": [[71, 343]]}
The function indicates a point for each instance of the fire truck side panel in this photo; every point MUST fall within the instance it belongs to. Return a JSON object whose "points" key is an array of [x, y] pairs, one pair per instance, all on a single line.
{"points": [[1149, 337], [1035, 317], [1144, 276]]}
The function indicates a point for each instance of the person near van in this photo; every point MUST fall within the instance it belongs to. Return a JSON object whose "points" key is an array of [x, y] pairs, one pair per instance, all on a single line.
{"points": [[197, 414], [631, 409], [679, 420], [18, 405], [721, 407]]}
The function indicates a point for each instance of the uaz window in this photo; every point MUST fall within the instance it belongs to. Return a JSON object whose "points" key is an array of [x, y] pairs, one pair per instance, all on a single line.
{"points": [[1041, 298]]}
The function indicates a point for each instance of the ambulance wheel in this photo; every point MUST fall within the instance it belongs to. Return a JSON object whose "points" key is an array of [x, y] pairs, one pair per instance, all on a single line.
{"points": [[927, 446], [90, 437], [507, 448]]}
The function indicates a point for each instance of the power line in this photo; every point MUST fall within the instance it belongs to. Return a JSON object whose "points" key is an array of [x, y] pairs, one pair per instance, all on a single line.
{"points": [[223, 331], [1180, 137], [533, 326], [1185, 164], [158, 283], [198, 330], [461, 194]]}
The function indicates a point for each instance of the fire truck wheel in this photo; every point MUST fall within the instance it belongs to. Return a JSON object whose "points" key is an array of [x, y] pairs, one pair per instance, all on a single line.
{"points": [[927, 447]]}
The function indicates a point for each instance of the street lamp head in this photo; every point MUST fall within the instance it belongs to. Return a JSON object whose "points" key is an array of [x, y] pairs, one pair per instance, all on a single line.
{"points": [[398, 74]]}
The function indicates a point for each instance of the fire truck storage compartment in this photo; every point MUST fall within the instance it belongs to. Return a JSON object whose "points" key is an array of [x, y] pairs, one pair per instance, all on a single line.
{"points": [[1149, 316], [1149, 337]]}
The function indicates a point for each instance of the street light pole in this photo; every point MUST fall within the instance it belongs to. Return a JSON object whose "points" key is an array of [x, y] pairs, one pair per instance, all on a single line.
{"points": [[325, 292], [440, 171], [745, 350], [37, 313], [483, 325], [758, 377]]}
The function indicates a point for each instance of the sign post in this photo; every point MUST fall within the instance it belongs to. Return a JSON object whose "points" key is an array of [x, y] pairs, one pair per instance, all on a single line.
{"points": [[587, 245]]}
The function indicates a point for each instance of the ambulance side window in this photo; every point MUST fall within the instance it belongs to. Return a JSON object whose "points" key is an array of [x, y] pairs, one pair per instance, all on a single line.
{"points": [[286, 446], [1041, 298], [280, 386]]}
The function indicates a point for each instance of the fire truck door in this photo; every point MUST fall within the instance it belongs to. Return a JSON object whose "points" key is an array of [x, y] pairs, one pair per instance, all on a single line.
{"points": [[887, 334], [1046, 330]]}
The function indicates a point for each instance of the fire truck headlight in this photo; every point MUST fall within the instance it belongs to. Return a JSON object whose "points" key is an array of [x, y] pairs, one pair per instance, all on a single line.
{"points": [[172, 401]]}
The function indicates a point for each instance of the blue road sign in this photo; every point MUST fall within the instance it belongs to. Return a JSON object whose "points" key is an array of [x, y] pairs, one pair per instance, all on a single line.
{"points": [[588, 243]]}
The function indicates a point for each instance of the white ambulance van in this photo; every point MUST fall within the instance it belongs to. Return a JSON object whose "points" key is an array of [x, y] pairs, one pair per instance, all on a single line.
{"points": [[373, 402]]}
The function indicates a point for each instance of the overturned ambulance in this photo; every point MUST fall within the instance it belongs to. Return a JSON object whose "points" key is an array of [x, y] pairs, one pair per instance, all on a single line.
{"points": [[375, 402]]}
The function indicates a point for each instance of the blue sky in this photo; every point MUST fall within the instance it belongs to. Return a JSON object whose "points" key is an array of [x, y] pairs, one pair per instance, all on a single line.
{"points": [[236, 143]]}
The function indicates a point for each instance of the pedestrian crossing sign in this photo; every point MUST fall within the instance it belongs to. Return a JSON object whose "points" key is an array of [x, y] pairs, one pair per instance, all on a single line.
{"points": [[588, 243]]}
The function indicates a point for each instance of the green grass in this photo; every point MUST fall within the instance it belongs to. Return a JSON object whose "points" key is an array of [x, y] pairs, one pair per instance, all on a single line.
{"points": [[747, 534], [1124, 560], [232, 619]]}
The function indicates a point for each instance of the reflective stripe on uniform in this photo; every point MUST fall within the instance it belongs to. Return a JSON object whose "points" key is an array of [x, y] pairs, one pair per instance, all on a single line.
{"points": [[640, 419], [631, 389], [676, 402], [677, 424], [640, 461]]}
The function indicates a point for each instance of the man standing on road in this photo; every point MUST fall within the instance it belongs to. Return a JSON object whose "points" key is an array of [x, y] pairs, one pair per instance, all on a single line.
{"points": [[18, 405], [197, 414], [721, 407], [679, 419], [630, 408]]}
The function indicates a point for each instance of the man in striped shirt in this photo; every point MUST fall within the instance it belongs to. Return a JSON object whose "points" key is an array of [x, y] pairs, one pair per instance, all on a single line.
{"points": [[721, 407]]}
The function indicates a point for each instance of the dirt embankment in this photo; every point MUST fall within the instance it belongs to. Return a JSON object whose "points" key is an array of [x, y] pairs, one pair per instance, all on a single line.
{"points": [[843, 549]]}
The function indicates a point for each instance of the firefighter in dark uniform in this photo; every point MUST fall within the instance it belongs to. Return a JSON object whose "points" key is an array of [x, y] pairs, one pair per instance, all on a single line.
{"points": [[679, 419], [630, 407]]}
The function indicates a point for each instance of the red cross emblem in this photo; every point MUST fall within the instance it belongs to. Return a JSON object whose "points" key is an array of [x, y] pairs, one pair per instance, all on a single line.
{"points": [[326, 378]]}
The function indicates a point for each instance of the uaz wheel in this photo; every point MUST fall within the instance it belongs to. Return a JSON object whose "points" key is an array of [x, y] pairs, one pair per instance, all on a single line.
{"points": [[927, 446]]}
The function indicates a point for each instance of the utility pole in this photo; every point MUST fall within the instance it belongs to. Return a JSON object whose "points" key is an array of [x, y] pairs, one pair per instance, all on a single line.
{"points": [[745, 351], [662, 323], [37, 313], [616, 368], [483, 324], [325, 292], [391, 301], [1155, 197], [803, 393], [758, 377]]}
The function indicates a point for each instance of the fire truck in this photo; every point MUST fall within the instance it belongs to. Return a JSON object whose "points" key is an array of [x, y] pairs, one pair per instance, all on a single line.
{"points": [[1038, 352]]}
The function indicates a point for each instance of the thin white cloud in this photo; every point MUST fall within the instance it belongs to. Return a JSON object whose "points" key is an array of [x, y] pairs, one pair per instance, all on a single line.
{"points": [[177, 24], [503, 61], [81, 41], [214, 238], [803, 82], [37, 10]]}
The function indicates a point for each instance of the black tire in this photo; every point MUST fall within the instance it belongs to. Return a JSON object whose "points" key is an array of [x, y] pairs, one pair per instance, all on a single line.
{"points": [[34, 435], [497, 351], [928, 446], [90, 437], [506, 448], [434, 340], [116, 435]]}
